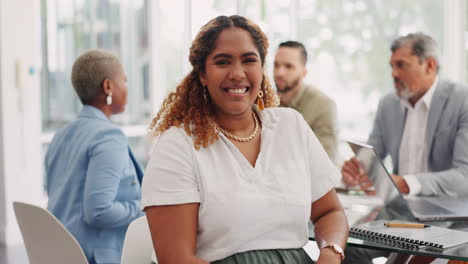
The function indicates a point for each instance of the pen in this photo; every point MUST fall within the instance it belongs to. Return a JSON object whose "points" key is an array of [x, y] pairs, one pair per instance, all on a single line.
{"points": [[409, 225]]}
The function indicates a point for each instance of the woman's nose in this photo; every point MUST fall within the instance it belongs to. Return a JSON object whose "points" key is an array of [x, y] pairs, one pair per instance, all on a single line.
{"points": [[237, 72]]}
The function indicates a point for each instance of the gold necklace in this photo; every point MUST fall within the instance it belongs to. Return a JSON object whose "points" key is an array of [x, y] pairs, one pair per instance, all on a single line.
{"points": [[243, 139]]}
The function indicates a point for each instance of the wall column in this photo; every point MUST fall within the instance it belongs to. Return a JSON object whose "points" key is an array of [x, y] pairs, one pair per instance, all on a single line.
{"points": [[21, 177]]}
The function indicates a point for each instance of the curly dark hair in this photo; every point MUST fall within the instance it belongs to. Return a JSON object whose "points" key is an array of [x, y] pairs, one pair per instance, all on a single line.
{"points": [[190, 106]]}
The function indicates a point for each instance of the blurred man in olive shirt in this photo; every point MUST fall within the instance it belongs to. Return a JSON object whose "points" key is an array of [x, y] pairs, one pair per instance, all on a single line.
{"points": [[318, 110]]}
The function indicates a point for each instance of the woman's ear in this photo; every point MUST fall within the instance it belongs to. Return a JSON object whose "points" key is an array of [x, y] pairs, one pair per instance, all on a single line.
{"points": [[106, 86], [202, 78]]}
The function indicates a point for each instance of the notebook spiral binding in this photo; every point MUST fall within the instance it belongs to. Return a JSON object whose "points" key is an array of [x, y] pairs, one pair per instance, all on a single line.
{"points": [[394, 241]]}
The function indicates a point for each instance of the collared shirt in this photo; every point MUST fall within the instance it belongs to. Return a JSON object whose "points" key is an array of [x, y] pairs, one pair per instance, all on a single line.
{"points": [[413, 156], [243, 207]]}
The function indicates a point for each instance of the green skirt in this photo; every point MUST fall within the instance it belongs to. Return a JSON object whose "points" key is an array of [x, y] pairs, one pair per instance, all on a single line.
{"points": [[270, 256]]}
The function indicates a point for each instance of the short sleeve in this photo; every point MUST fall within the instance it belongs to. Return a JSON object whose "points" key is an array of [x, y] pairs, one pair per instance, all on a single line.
{"points": [[323, 173], [170, 177]]}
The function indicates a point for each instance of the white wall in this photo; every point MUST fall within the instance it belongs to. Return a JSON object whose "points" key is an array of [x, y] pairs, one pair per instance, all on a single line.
{"points": [[20, 150], [2, 167]]}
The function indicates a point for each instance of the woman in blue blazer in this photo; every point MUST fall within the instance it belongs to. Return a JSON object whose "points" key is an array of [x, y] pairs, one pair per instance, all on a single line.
{"points": [[93, 179]]}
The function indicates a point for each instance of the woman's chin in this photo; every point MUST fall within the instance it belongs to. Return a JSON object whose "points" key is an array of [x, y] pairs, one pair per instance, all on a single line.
{"points": [[237, 110]]}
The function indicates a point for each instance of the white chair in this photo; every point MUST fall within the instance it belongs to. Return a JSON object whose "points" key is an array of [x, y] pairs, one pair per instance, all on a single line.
{"points": [[138, 246], [47, 241]]}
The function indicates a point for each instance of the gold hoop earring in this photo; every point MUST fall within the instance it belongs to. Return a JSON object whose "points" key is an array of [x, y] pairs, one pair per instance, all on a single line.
{"points": [[260, 104]]}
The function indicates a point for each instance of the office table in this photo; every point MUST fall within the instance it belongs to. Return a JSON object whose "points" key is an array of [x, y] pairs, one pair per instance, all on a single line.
{"points": [[366, 209]]}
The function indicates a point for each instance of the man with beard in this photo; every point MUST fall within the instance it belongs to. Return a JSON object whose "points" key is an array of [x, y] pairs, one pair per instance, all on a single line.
{"points": [[318, 110], [423, 127]]}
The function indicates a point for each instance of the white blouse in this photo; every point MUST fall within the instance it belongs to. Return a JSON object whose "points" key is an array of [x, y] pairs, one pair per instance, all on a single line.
{"points": [[243, 207]]}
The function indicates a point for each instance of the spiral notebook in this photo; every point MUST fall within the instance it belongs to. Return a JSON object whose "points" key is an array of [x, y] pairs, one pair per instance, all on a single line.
{"points": [[410, 238]]}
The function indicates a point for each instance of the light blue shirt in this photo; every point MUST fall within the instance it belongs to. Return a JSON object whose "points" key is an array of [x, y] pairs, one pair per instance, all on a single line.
{"points": [[93, 183]]}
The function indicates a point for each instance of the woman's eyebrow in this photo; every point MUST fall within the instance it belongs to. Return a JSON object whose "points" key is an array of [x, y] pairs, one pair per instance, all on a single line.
{"points": [[249, 54], [222, 55], [228, 56]]}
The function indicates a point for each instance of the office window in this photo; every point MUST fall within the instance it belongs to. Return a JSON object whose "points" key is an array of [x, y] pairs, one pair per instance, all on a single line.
{"points": [[70, 27], [272, 16], [174, 49], [73, 26], [203, 11], [348, 43]]}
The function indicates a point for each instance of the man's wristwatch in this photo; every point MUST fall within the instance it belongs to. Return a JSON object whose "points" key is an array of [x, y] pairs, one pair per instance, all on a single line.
{"points": [[337, 249]]}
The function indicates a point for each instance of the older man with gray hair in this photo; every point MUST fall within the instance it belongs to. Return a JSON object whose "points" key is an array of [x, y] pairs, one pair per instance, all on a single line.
{"points": [[423, 126]]}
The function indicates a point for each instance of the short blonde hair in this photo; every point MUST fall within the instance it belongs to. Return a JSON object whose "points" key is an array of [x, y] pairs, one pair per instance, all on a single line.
{"points": [[90, 70]]}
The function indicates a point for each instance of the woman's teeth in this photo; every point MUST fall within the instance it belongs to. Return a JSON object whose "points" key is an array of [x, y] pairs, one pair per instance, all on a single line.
{"points": [[237, 90]]}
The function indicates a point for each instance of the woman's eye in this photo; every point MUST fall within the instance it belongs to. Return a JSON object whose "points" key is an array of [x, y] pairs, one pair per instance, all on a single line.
{"points": [[222, 62], [249, 60]]}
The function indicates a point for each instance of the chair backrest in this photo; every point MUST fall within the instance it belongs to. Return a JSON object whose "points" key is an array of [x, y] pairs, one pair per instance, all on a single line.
{"points": [[138, 246], [47, 241]]}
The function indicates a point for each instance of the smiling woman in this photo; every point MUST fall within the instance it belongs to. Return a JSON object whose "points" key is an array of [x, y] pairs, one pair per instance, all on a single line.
{"points": [[235, 183], [233, 73], [194, 104]]}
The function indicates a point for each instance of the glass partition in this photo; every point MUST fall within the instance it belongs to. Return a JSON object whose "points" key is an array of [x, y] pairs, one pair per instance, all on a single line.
{"points": [[71, 27], [349, 47], [348, 44]]}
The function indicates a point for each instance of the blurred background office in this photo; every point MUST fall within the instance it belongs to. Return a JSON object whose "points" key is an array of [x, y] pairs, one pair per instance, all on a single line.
{"points": [[347, 41]]}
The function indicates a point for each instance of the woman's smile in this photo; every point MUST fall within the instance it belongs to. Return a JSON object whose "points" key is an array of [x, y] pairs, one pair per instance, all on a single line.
{"points": [[236, 91]]}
